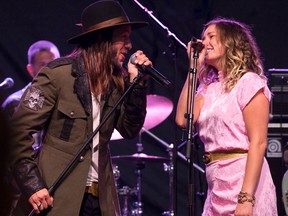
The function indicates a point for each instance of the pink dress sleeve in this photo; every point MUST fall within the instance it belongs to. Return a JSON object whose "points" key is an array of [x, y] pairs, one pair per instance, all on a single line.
{"points": [[248, 86]]}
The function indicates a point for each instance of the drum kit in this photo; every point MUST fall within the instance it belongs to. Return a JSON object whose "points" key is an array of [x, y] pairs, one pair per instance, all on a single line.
{"points": [[158, 109]]}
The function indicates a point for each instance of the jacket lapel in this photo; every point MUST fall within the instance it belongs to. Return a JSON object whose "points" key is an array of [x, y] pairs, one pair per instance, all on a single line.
{"points": [[81, 85]]}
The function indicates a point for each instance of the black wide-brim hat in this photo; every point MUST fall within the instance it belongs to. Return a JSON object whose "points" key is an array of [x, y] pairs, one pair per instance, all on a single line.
{"points": [[101, 15]]}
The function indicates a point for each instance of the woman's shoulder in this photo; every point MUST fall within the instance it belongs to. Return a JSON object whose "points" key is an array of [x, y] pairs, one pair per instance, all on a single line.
{"points": [[248, 85], [251, 78], [252, 75]]}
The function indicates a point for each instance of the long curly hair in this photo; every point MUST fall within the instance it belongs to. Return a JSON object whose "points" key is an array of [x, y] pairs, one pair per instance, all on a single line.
{"points": [[99, 58], [242, 54]]}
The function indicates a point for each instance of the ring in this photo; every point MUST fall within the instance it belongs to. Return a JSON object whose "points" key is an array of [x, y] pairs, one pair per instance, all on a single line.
{"points": [[38, 205]]}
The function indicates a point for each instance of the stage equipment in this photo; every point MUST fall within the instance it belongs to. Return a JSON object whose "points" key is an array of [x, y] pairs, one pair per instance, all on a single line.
{"points": [[140, 159], [278, 83], [158, 109], [174, 43], [277, 140], [7, 83], [195, 49]]}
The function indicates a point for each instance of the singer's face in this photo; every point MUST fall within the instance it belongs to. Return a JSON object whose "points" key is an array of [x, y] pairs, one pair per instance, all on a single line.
{"points": [[214, 49], [121, 44]]}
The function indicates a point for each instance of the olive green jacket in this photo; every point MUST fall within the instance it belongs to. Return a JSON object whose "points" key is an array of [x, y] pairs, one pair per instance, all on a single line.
{"points": [[59, 100]]}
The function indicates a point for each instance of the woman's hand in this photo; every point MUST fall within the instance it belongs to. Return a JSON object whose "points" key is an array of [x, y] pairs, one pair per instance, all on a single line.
{"points": [[244, 209], [190, 52]]}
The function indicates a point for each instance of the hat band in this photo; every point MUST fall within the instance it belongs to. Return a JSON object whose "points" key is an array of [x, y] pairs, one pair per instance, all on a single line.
{"points": [[108, 23]]}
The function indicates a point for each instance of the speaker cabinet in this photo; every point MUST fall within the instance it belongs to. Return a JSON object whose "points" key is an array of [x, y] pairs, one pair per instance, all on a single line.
{"points": [[277, 140], [278, 83]]}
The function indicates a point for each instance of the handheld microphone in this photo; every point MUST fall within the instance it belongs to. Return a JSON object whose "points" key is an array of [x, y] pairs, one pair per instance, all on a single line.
{"points": [[197, 45], [7, 83], [156, 75]]}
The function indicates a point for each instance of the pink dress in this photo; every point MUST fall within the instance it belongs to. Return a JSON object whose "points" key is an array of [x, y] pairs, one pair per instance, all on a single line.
{"points": [[221, 127]]}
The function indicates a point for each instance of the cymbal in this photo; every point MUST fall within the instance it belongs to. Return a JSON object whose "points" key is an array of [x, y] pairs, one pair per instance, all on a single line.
{"points": [[140, 157], [158, 109]]}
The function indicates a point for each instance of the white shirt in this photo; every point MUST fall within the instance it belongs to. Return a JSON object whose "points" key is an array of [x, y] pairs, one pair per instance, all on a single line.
{"points": [[93, 170]]}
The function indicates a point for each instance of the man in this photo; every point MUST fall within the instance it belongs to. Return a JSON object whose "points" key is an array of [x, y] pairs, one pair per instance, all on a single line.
{"points": [[39, 54], [69, 98]]}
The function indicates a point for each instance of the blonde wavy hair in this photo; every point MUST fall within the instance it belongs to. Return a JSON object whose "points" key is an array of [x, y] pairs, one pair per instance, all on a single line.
{"points": [[242, 54]]}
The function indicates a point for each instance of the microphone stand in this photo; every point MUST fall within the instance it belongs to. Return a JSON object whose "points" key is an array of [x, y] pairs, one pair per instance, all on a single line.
{"points": [[190, 116], [168, 147], [73, 163], [175, 152]]}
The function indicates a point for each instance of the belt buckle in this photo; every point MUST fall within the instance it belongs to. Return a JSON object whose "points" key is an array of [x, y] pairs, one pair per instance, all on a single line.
{"points": [[206, 157], [93, 189]]}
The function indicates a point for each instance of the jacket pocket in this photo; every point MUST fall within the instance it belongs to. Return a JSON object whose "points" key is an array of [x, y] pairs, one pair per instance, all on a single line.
{"points": [[74, 120], [69, 122]]}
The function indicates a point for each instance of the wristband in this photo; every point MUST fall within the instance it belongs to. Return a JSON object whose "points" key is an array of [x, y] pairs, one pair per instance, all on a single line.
{"points": [[244, 197]]}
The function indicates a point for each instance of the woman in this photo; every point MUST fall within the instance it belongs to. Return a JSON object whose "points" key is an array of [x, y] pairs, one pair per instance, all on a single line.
{"points": [[231, 109]]}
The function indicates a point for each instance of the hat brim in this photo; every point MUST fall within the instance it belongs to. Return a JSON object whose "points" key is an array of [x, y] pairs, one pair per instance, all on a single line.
{"points": [[134, 25]]}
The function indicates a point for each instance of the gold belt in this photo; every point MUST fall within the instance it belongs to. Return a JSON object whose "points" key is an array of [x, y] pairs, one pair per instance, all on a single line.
{"points": [[93, 189], [209, 157]]}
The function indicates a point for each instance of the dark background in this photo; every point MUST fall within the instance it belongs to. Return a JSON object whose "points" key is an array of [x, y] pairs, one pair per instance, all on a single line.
{"points": [[24, 22]]}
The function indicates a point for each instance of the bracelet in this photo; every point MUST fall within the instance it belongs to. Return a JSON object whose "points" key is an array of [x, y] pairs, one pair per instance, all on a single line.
{"points": [[244, 197]]}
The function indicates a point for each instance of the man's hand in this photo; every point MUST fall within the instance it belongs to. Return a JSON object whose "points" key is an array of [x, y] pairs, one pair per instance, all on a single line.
{"points": [[41, 200]]}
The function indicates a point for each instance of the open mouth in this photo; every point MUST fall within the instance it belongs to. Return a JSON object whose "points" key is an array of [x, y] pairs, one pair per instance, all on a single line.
{"points": [[208, 50], [122, 57]]}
